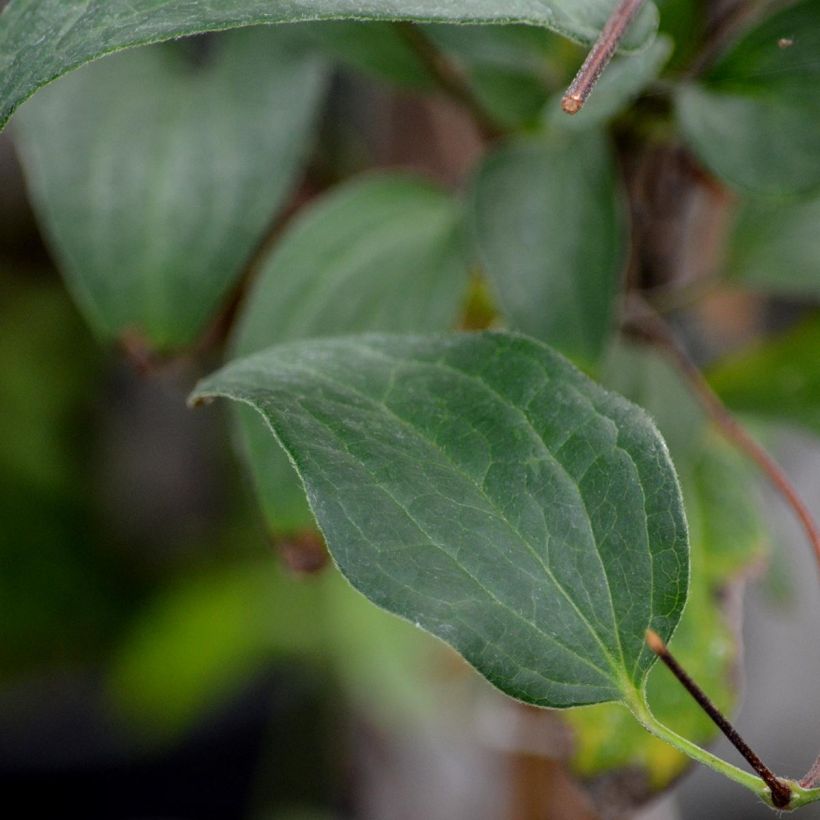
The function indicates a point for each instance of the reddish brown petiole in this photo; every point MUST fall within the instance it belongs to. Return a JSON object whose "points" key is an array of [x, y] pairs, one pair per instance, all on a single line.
{"points": [[781, 793], [598, 59]]}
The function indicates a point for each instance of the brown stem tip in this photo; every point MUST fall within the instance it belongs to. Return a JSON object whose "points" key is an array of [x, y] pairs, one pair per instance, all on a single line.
{"points": [[655, 642], [600, 55]]}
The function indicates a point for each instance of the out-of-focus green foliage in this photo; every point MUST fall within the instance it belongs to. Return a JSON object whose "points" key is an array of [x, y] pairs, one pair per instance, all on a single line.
{"points": [[753, 120], [777, 380], [201, 638], [546, 221], [59, 595], [775, 248], [155, 177]]}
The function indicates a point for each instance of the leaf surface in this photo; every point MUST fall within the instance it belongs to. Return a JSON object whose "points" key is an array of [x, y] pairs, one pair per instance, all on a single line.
{"points": [[548, 230], [384, 253], [755, 119], [483, 488], [155, 177], [43, 39]]}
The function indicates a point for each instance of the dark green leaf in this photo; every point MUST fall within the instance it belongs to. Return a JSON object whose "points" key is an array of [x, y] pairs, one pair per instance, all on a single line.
{"points": [[548, 229], [383, 253], [154, 179], [755, 119], [776, 248], [776, 381], [42, 39], [483, 488]]}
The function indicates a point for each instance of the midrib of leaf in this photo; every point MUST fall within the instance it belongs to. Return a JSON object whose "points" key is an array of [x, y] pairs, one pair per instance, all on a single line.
{"points": [[616, 670]]}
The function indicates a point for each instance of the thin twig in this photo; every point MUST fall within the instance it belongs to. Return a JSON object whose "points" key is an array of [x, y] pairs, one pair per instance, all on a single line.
{"points": [[449, 78], [812, 777], [648, 324], [600, 55], [781, 793]]}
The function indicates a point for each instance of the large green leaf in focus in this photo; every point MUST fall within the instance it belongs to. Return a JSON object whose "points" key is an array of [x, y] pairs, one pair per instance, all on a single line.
{"points": [[382, 253], [776, 381], [755, 118], [155, 176], [483, 488], [775, 247], [42, 39], [548, 230], [727, 537]]}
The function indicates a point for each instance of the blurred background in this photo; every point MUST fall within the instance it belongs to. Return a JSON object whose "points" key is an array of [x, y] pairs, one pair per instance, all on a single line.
{"points": [[162, 657]]}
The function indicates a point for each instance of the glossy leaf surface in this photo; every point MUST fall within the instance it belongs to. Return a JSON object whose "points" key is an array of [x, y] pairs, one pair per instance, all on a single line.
{"points": [[483, 488]]}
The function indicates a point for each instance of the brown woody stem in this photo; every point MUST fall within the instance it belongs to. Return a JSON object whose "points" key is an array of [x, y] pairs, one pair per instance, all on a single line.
{"points": [[650, 326], [780, 791], [600, 55]]}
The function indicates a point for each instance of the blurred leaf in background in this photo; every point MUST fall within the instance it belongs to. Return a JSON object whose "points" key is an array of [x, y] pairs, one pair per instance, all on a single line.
{"points": [[156, 173]]}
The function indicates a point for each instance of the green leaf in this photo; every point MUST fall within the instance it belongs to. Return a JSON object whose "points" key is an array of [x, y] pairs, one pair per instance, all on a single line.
{"points": [[778, 380], [381, 253], [624, 79], [775, 248], [755, 119], [727, 536], [483, 488], [548, 230], [154, 179], [43, 39]]}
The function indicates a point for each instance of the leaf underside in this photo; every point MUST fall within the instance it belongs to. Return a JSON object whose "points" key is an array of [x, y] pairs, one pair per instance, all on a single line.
{"points": [[483, 488], [43, 39]]}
